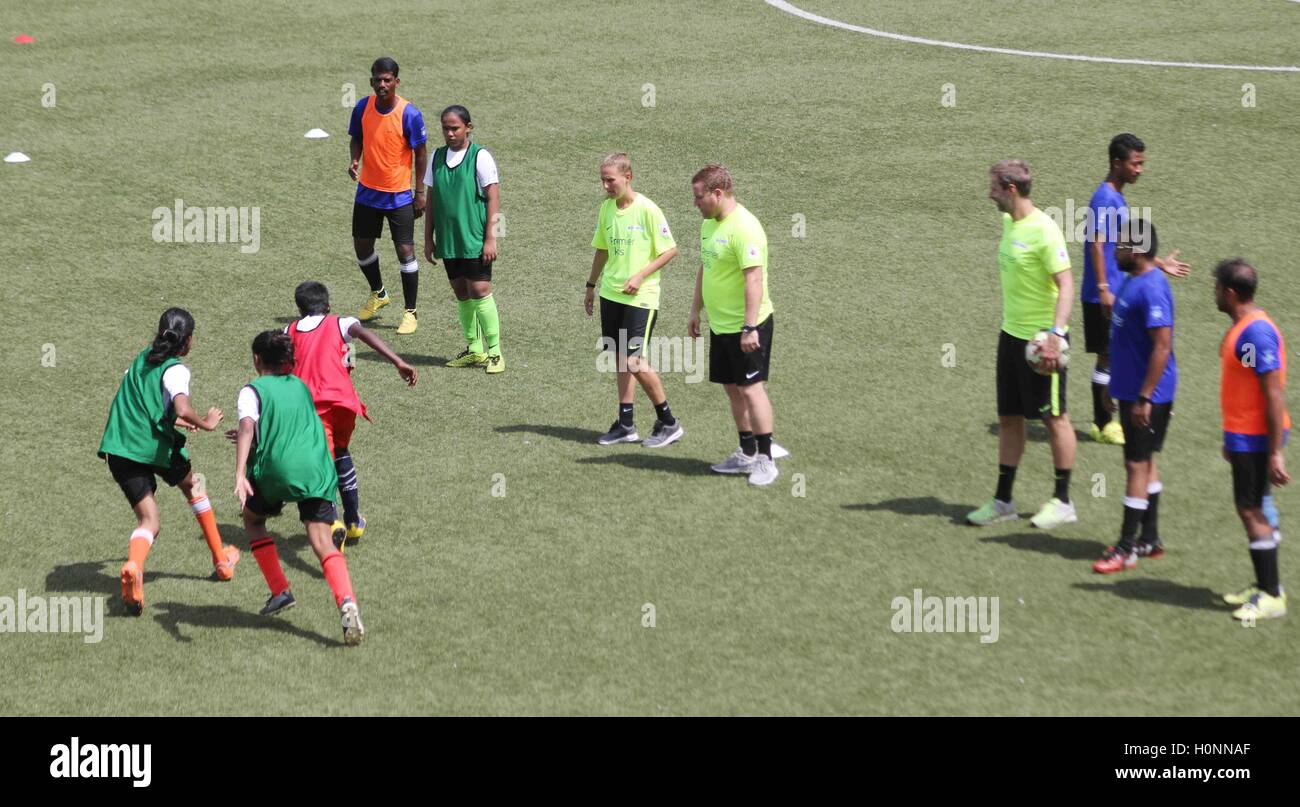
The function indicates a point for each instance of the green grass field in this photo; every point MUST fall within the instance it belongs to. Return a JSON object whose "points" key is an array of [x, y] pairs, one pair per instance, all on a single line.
{"points": [[766, 602]]}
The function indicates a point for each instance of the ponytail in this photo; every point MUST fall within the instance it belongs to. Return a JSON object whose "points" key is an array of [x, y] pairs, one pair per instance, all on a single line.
{"points": [[175, 327]]}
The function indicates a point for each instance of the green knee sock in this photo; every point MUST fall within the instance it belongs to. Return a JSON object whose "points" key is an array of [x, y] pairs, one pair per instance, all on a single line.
{"points": [[490, 324], [467, 312]]}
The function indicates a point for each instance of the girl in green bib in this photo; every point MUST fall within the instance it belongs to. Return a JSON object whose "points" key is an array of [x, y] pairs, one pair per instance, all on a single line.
{"points": [[464, 210], [141, 443]]}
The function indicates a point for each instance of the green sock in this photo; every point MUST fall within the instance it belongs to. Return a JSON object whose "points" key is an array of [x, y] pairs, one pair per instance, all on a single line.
{"points": [[467, 311], [490, 323]]}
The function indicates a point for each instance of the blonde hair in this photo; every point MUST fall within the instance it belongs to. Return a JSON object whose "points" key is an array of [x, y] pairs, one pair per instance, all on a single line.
{"points": [[618, 161], [714, 177]]}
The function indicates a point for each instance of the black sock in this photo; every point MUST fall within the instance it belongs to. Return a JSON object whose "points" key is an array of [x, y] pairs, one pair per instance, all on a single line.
{"points": [[1128, 532], [625, 415], [748, 445], [348, 491], [1063, 485], [1266, 573], [764, 444], [1150, 531], [1006, 478], [371, 271], [665, 414], [410, 286], [1099, 414]]}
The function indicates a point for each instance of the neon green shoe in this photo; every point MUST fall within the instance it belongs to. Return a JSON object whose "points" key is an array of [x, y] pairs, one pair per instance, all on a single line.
{"points": [[496, 364], [338, 532], [992, 512], [468, 358], [1111, 434], [1241, 597], [355, 531], [371, 309], [1055, 513], [1262, 605]]}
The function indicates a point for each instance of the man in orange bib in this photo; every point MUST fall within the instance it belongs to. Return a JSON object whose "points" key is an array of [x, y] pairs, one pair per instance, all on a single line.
{"points": [[1252, 393], [386, 131]]}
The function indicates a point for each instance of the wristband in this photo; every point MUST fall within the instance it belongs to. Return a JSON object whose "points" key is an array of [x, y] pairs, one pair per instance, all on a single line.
{"points": [[591, 285], [1061, 332], [1144, 399]]}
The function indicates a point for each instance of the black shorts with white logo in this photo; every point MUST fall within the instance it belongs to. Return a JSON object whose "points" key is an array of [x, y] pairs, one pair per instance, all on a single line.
{"points": [[1250, 482], [321, 510], [1141, 442], [468, 268], [1021, 391], [1096, 330], [728, 364], [625, 328], [368, 222], [137, 480]]}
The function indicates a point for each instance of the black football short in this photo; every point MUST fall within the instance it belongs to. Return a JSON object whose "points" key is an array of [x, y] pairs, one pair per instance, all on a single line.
{"points": [[321, 510], [1096, 329], [468, 268], [625, 328], [368, 222], [1250, 482], [1140, 443], [728, 364], [137, 480], [1021, 391]]}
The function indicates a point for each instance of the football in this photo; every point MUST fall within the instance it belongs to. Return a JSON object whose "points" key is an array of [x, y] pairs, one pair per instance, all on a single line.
{"points": [[1034, 347]]}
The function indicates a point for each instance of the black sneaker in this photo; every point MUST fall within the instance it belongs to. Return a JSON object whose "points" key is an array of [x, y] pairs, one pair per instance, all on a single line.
{"points": [[618, 433], [280, 602]]}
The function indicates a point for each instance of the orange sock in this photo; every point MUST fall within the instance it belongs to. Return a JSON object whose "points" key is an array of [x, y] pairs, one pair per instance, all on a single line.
{"points": [[268, 560], [208, 521], [336, 574], [138, 549]]}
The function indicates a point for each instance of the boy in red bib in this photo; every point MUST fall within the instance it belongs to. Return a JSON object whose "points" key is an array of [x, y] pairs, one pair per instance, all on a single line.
{"points": [[322, 348]]}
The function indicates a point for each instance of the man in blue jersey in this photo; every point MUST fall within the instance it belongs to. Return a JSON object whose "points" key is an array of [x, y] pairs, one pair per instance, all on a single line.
{"points": [[1107, 216], [387, 130], [1143, 380]]}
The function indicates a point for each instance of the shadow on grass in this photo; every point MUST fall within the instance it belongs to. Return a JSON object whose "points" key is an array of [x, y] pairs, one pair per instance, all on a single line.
{"points": [[920, 506], [648, 460], [101, 577], [570, 433], [172, 615], [1048, 544], [413, 359], [1165, 592]]}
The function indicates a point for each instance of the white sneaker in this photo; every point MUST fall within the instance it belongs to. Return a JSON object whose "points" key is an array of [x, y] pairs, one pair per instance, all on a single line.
{"points": [[737, 463], [1055, 513], [764, 471], [353, 630]]}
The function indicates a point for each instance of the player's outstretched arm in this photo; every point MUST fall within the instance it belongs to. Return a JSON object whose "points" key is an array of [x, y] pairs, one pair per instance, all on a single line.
{"points": [[186, 414], [1173, 267], [406, 371]]}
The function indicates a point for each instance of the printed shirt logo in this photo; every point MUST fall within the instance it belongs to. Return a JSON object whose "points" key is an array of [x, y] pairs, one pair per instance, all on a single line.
{"points": [[1157, 312], [753, 250], [1019, 245], [663, 230]]}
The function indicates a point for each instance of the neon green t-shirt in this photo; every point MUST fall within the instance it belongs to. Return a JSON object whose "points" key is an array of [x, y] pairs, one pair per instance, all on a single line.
{"points": [[633, 237], [1031, 252], [727, 248]]}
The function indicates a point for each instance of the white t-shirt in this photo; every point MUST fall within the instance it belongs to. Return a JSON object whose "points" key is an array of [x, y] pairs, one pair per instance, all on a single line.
{"points": [[485, 167], [175, 381], [308, 324], [249, 405]]}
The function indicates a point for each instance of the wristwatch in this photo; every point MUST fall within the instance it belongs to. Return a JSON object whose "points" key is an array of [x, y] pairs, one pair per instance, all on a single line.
{"points": [[748, 328], [1061, 332], [1144, 399]]}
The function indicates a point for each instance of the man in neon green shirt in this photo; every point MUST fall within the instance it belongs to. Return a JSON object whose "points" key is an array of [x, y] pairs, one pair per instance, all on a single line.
{"points": [[732, 288], [632, 243], [1037, 292]]}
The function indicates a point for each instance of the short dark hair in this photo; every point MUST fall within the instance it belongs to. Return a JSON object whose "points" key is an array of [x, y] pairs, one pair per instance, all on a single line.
{"points": [[1122, 145], [275, 349], [1239, 276], [457, 110], [1137, 232], [312, 298], [384, 64]]}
